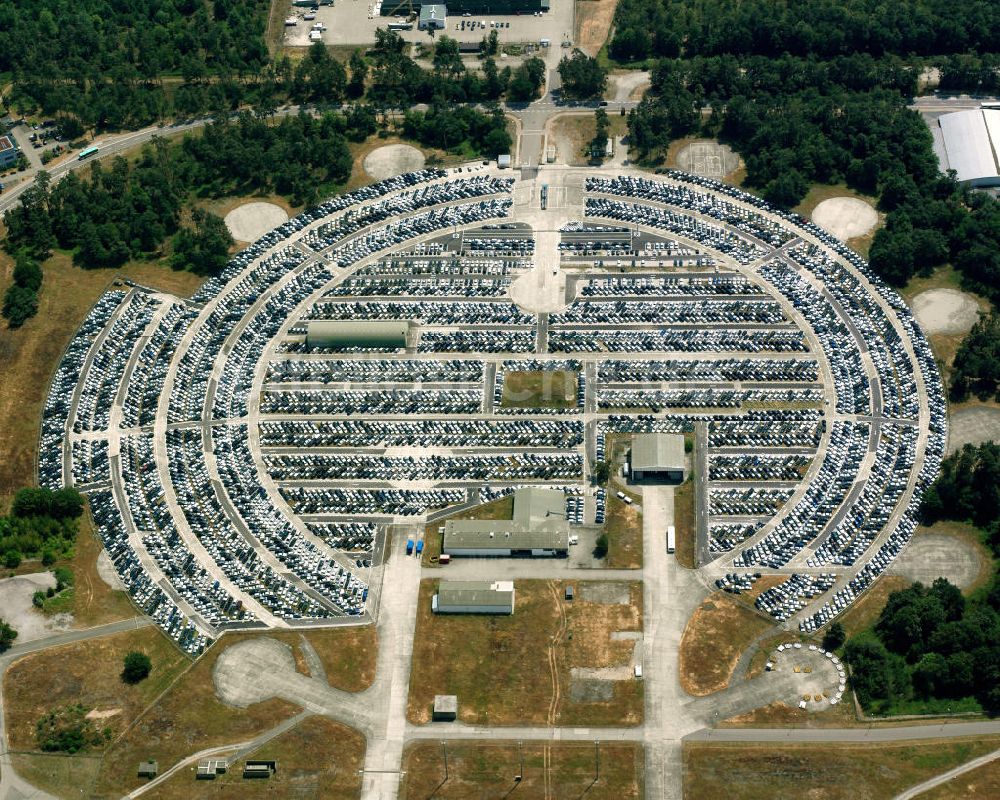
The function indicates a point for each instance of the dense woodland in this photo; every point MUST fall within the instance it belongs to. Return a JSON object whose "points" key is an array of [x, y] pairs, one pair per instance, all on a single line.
{"points": [[111, 213], [667, 28], [41, 524], [976, 369], [968, 490], [931, 644]]}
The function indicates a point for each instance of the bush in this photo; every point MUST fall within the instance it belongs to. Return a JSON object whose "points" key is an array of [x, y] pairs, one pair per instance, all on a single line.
{"points": [[601, 546], [12, 559], [136, 667], [834, 637], [67, 730], [48, 558], [38, 599], [7, 636]]}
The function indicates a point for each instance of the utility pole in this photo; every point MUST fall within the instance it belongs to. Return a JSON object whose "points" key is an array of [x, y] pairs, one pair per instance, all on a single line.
{"points": [[597, 760], [444, 747]]}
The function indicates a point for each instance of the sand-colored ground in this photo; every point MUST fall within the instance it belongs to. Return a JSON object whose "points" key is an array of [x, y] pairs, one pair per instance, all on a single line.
{"points": [[393, 159], [973, 425], [708, 158], [593, 23], [946, 311], [16, 607], [247, 223], [845, 217]]}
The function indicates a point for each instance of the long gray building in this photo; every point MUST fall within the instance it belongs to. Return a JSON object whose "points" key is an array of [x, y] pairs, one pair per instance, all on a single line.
{"points": [[474, 597], [969, 144]]}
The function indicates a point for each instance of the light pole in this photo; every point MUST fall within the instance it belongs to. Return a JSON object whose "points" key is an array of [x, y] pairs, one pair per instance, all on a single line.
{"points": [[597, 760], [444, 748]]}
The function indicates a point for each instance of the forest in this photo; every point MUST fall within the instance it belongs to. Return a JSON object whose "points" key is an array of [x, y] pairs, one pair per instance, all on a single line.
{"points": [[932, 649], [109, 214], [976, 368], [801, 121], [667, 28], [42, 524], [931, 644]]}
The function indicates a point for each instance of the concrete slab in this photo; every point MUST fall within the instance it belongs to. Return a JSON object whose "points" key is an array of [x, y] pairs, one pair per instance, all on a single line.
{"points": [[247, 223], [393, 159], [947, 311], [15, 602], [845, 217], [936, 555], [708, 158], [973, 426]]}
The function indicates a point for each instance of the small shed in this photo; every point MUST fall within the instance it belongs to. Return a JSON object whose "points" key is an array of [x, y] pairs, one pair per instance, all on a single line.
{"points": [[210, 768], [657, 457], [259, 769], [503, 161], [433, 18], [148, 769], [570, 593], [445, 708]]}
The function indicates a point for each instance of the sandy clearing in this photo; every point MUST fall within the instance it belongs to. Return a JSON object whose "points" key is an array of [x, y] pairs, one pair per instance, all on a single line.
{"points": [[16, 607], [393, 159], [945, 311], [845, 217], [247, 223]]}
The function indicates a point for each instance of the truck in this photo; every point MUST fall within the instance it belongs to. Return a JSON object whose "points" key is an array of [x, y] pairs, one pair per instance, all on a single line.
{"points": [[543, 197], [420, 546], [671, 539], [409, 547]]}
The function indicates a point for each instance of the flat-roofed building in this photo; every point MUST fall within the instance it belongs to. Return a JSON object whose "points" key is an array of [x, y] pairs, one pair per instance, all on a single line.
{"points": [[969, 144], [474, 597], [341, 334], [432, 18], [8, 152], [657, 457], [538, 528]]}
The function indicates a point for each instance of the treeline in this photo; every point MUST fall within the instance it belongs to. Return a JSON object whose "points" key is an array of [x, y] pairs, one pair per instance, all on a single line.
{"points": [[20, 301], [968, 490], [932, 645], [42, 524], [104, 61], [386, 77], [976, 368], [667, 28], [447, 127], [802, 121]]}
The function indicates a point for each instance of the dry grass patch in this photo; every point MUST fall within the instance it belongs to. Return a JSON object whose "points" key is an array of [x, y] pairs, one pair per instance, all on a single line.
{"points": [[189, 717], [571, 133], [29, 355], [348, 654], [553, 388], [982, 783], [865, 611], [501, 508], [780, 715], [623, 527], [766, 647], [684, 524], [94, 602], [87, 673], [486, 770], [593, 24], [317, 759], [867, 771], [508, 670], [718, 632]]}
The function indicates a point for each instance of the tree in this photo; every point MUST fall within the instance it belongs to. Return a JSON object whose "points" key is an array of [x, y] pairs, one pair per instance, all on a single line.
{"points": [[601, 471], [490, 45], [597, 145], [7, 635], [203, 249], [834, 637], [583, 77], [136, 667], [601, 546], [38, 599], [359, 74]]}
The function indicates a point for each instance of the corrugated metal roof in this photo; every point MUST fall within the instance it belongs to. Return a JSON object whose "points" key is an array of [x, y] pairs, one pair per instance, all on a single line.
{"points": [[657, 451], [475, 593], [967, 143]]}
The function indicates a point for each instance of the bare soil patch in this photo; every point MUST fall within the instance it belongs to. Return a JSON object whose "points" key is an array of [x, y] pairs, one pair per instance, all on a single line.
{"points": [[593, 24], [393, 159], [845, 217], [249, 221], [945, 311]]}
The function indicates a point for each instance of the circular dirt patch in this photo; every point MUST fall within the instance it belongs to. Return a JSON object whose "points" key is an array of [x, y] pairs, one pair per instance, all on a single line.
{"points": [[945, 311], [937, 555], [392, 160], [973, 426], [709, 159], [845, 217], [251, 221]]}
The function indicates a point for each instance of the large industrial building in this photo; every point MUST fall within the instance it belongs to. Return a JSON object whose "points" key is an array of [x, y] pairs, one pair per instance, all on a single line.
{"points": [[477, 7], [657, 457], [432, 17], [474, 597], [340, 334], [538, 528], [968, 142]]}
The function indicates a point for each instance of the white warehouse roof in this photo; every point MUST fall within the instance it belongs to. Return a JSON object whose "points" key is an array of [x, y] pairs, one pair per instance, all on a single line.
{"points": [[972, 145]]}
